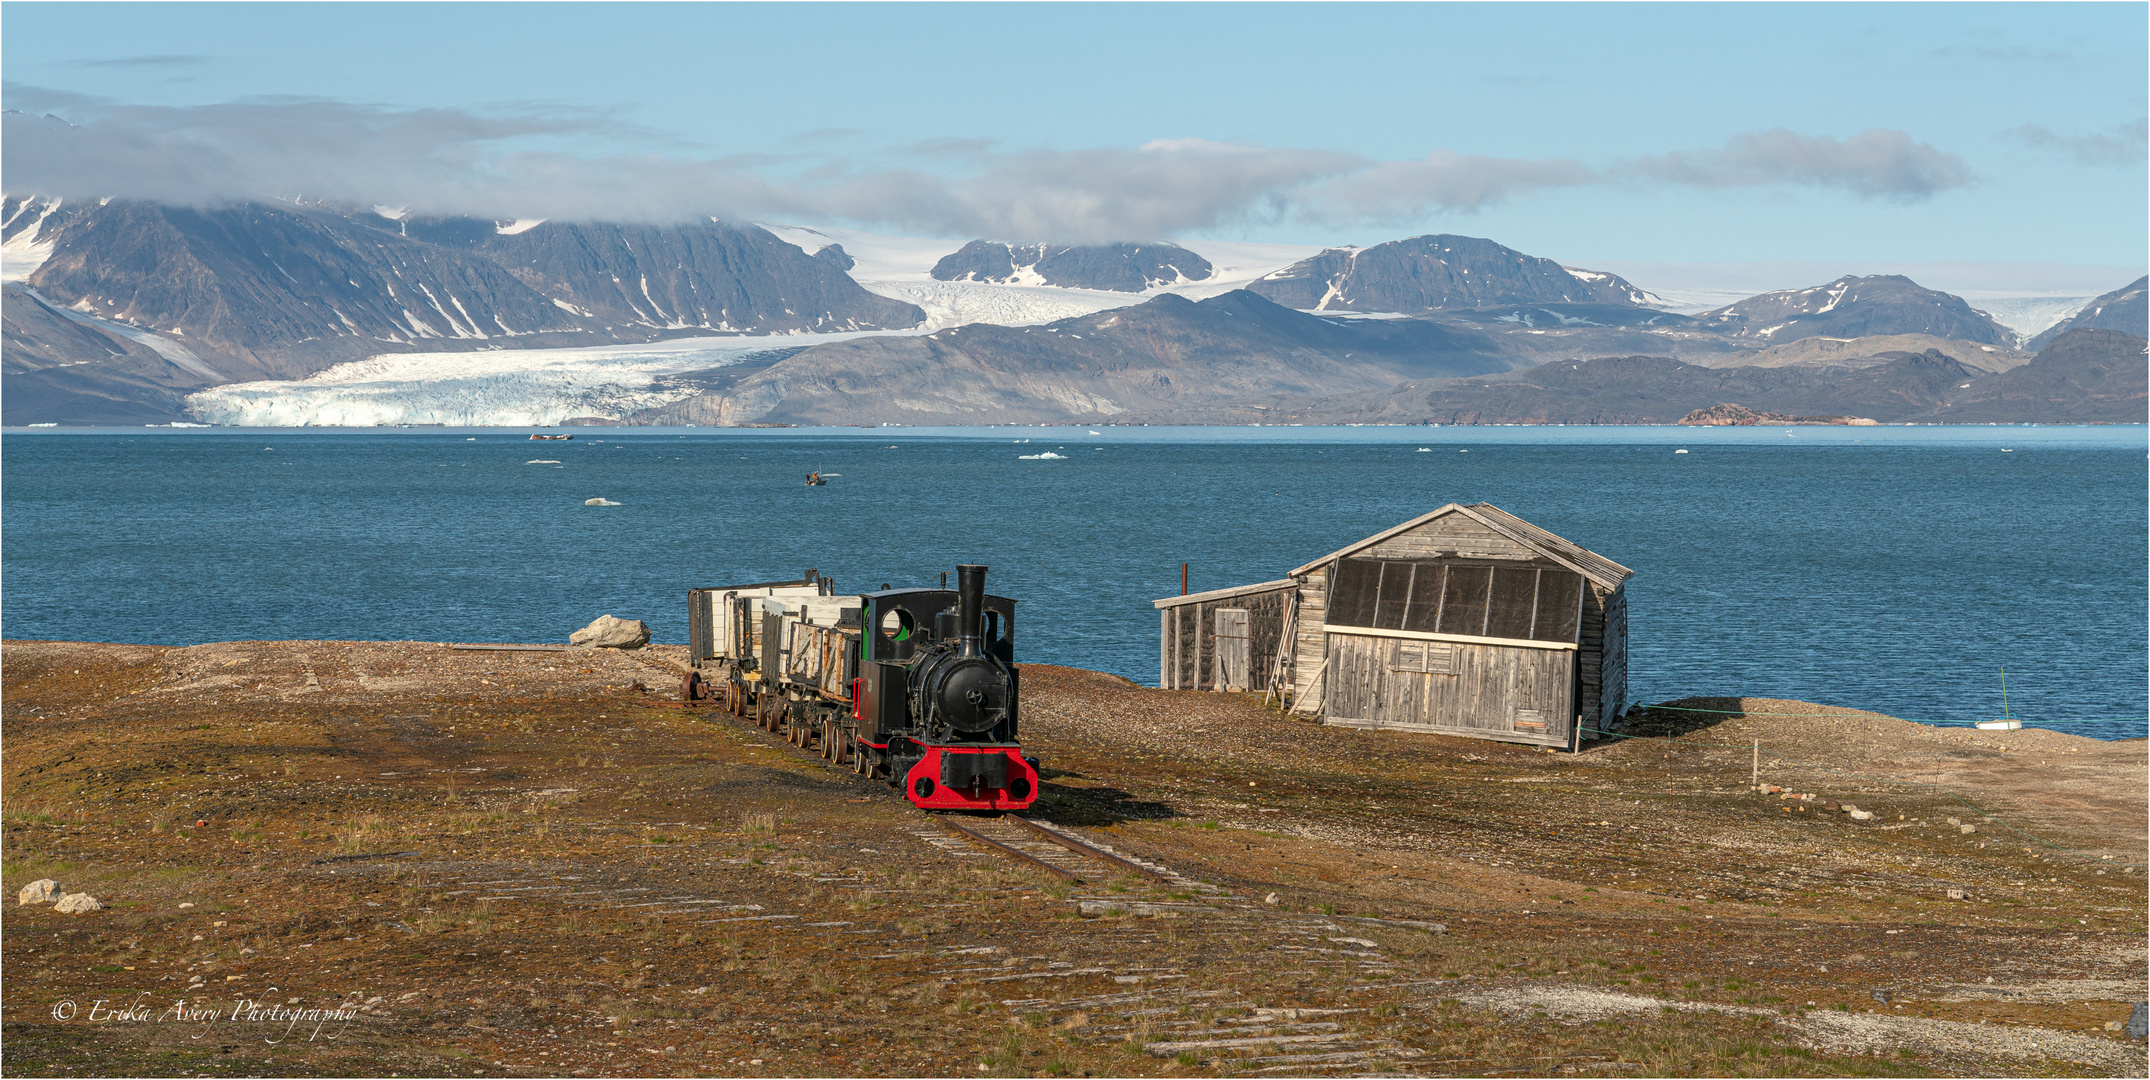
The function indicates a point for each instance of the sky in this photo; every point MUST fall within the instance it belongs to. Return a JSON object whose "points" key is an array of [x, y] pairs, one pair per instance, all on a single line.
{"points": [[2003, 141]]}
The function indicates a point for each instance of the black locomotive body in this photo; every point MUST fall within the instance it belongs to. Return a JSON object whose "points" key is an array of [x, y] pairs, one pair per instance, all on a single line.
{"points": [[915, 686]]}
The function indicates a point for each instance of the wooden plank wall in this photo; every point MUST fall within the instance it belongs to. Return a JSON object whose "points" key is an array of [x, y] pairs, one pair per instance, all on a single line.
{"points": [[1309, 644], [1187, 639], [1452, 535], [1590, 655], [1488, 689], [1613, 680], [1265, 630], [1193, 659]]}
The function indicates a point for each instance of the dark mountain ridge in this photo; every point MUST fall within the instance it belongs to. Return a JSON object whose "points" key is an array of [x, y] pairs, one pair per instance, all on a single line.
{"points": [[1113, 267], [1436, 273], [2090, 376], [1166, 353], [1853, 307]]}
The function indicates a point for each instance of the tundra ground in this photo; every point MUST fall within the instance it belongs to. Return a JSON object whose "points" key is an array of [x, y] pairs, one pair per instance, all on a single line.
{"points": [[514, 863]]}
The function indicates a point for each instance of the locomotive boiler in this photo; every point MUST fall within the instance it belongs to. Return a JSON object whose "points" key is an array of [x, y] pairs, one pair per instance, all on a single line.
{"points": [[917, 687]]}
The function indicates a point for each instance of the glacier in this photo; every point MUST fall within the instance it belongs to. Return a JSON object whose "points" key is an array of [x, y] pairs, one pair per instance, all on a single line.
{"points": [[489, 388]]}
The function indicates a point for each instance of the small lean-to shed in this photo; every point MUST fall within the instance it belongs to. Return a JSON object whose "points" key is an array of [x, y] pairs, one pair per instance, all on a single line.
{"points": [[1226, 639], [1466, 621]]}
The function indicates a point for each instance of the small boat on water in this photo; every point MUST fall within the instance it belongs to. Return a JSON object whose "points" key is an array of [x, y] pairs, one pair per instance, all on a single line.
{"points": [[816, 480], [549, 438]]}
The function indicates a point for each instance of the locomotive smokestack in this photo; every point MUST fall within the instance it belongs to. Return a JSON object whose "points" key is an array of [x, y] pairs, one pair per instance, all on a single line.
{"points": [[970, 608]]}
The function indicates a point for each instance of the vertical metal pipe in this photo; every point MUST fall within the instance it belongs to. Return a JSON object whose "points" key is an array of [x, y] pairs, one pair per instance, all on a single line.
{"points": [[1183, 579], [970, 608]]}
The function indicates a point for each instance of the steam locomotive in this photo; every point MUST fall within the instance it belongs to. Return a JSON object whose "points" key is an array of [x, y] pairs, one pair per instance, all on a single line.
{"points": [[917, 687]]}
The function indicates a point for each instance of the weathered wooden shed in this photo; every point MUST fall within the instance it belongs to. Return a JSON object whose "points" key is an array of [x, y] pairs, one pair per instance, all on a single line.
{"points": [[1225, 639], [1465, 621]]}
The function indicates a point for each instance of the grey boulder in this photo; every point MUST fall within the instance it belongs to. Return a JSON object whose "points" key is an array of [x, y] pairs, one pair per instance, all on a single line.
{"points": [[41, 891], [75, 903], [610, 633]]}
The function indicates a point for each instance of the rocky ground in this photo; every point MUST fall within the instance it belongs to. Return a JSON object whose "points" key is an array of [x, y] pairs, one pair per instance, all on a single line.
{"points": [[401, 858]]}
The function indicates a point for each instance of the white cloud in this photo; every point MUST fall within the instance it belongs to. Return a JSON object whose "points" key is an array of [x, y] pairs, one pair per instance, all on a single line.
{"points": [[506, 164], [1393, 191], [2121, 144], [1876, 163]]}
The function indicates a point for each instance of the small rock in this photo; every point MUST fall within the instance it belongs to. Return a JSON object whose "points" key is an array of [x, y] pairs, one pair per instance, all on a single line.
{"points": [[75, 903], [1954, 821], [1848, 808], [1967, 829], [1861, 815], [1881, 996], [1270, 899], [41, 891], [610, 633], [187, 904], [1957, 894], [2138, 1025]]}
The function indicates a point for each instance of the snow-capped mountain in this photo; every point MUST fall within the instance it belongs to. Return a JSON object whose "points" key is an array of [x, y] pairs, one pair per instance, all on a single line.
{"points": [[297, 279], [1438, 273], [282, 290], [1130, 268], [1852, 307]]}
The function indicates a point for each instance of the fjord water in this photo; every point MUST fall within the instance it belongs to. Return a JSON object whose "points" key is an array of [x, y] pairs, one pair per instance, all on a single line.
{"points": [[1895, 569]]}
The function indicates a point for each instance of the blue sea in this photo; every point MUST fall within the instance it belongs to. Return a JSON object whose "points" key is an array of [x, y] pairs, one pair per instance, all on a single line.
{"points": [[1896, 568]]}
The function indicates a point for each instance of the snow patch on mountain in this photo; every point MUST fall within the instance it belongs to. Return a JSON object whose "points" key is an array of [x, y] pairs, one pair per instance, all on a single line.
{"points": [[23, 252]]}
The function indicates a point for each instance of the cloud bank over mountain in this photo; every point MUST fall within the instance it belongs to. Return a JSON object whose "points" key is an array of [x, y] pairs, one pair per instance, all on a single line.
{"points": [[508, 164]]}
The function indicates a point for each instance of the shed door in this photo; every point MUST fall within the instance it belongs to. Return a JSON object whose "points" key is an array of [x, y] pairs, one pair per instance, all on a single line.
{"points": [[1234, 651]]}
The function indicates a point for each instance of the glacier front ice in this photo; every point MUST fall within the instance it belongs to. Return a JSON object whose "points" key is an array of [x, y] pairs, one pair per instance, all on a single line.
{"points": [[489, 388]]}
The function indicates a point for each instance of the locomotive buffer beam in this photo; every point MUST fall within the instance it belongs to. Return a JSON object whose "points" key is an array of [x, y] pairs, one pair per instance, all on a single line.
{"points": [[1080, 848], [1064, 875]]}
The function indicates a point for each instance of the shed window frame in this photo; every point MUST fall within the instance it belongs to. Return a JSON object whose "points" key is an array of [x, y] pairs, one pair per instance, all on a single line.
{"points": [[1355, 602]]}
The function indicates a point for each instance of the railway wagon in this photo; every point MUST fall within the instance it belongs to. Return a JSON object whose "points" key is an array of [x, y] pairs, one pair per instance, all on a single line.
{"points": [[917, 687]]}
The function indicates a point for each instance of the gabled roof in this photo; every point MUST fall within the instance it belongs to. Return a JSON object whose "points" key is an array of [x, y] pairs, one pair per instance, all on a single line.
{"points": [[1222, 594], [1574, 556]]}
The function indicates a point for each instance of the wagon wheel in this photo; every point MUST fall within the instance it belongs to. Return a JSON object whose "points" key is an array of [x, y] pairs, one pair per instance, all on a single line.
{"points": [[828, 740], [844, 751]]}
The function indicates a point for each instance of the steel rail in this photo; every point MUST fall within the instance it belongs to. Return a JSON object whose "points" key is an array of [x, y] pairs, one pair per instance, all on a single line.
{"points": [[988, 841], [1081, 848]]}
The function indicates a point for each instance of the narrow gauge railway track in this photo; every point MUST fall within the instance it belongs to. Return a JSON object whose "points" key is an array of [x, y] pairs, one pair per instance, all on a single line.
{"points": [[1048, 848], [1067, 856]]}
